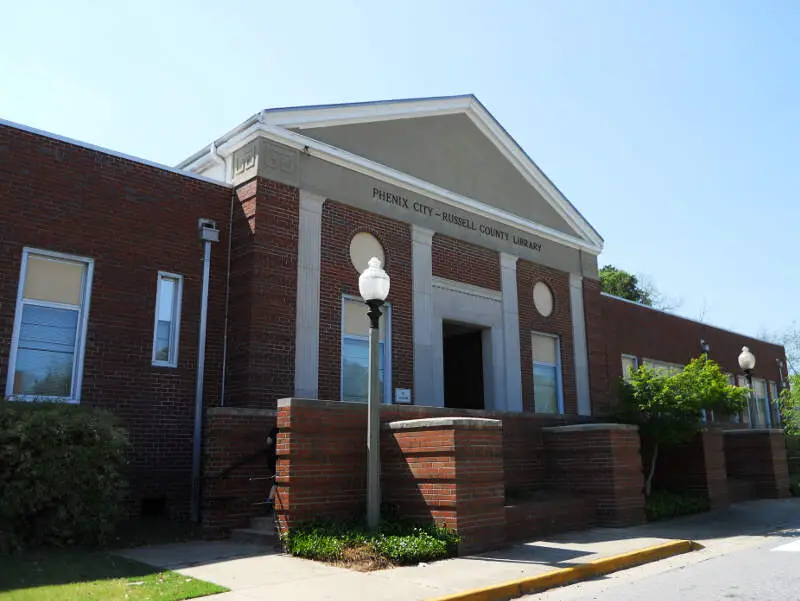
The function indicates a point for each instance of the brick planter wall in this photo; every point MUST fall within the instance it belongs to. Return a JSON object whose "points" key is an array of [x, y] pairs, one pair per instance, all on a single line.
{"points": [[449, 470], [231, 436], [697, 466], [551, 514], [758, 456], [601, 462]]}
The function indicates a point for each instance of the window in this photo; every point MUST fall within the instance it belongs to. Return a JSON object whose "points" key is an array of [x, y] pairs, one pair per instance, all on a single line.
{"points": [[355, 352], [662, 367], [759, 405], [49, 336], [773, 397], [741, 382], [547, 394], [167, 319], [629, 363]]}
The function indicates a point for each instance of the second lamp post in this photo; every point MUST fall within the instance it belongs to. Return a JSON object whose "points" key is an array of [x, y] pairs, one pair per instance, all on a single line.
{"points": [[373, 285]]}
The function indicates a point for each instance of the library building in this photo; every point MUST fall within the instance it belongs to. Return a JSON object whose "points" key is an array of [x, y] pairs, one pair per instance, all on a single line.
{"points": [[206, 302]]}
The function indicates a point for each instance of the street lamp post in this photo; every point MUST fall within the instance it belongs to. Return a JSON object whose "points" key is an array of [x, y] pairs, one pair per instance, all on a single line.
{"points": [[747, 362], [373, 284]]}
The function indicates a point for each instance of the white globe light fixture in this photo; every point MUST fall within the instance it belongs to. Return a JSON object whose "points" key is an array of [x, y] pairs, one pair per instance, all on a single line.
{"points": [[747, 361], [373, 285]]}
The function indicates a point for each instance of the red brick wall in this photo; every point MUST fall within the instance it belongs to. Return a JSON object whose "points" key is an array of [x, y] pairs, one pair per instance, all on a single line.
{"points": [[464, 262], [758, 456], [559, 323], [133, 220], [452, 475], [647, 333], [601, 462], [233, 453], [697, 466], [338, 277], [263, 294], [596, 347], [551, 514]]}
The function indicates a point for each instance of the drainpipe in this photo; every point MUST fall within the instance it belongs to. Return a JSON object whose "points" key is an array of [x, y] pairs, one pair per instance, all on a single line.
{"points": [[209, 232], [224, 377]]}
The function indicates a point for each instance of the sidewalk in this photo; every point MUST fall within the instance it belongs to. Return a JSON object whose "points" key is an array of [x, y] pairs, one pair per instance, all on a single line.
{"points": [[255, 573]]}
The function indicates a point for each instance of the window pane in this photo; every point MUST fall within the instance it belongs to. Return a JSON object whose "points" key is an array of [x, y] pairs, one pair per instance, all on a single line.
{"points": [[43, 373], [355, 370], [163, 331], [544, 349], [628, 365], [53, 280], [166, 299], [46, 328], [356, 322], [545, 389]]}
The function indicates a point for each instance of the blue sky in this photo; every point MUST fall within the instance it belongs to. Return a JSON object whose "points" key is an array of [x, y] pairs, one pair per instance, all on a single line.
{"points": [[674, 126]]}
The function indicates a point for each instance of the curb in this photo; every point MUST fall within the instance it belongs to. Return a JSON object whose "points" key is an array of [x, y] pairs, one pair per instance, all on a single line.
{"points": [[565, 576]]}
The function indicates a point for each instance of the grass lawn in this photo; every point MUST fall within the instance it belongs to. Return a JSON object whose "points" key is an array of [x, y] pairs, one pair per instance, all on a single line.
{"points": [[78, 575]]}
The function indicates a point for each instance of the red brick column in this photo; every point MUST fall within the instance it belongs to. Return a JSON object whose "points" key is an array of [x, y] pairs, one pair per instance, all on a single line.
{"points": [[234, 452], [601, 462], [449, 470], [697, 466], [759, 455]]}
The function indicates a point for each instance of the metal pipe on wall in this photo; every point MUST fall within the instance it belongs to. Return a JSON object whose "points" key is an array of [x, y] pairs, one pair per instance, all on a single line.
{"points": [[208, 234]]}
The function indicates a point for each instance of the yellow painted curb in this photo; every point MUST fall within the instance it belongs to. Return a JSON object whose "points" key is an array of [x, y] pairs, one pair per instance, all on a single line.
{"points": [[562, 577]]}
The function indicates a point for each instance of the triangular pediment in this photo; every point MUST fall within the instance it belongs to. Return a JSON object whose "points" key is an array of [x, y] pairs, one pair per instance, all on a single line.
{"points": [[453, 143]]}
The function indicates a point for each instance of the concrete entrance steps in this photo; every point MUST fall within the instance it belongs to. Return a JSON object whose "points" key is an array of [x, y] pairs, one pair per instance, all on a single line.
{"points": [[260, 532]]}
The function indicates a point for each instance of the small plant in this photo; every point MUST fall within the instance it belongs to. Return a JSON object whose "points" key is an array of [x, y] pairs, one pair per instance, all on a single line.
{"points": [[664, 504], [395, 542]]}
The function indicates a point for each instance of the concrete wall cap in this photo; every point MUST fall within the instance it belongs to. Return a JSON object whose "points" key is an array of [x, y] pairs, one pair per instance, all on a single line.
{"points": [[591, 427], [242, 412], [472, 423], [296, 402], [753, 431]]}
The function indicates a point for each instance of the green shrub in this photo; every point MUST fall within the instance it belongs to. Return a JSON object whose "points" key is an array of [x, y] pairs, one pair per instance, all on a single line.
{"points": [[397, 541], [663, 504], [60, 474]]}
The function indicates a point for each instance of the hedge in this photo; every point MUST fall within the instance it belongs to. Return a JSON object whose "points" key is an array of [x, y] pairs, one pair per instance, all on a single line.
{"points": [[61, 469]]}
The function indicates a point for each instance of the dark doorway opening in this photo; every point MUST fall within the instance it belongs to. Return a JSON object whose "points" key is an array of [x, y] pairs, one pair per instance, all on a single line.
{"points": [[463, 366]]}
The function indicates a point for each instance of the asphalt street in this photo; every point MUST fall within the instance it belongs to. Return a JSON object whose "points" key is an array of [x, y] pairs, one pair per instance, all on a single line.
{"points": [[764, 568]]}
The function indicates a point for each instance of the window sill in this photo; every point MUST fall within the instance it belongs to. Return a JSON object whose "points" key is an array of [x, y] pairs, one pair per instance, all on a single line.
{"points": [[43, 399], [164, 364]]}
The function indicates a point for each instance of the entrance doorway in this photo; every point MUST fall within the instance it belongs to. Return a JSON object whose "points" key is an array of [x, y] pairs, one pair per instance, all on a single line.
{"points": [[463, 365]]}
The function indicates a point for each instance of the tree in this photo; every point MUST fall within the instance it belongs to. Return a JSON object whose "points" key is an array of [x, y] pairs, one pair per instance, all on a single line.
{"points": [[624, 285], [669, 409], [789, 404]]}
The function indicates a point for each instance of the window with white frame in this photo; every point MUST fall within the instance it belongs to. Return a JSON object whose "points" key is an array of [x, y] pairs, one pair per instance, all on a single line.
{"points": [[773, 396], [759, 403], [547, 392], [166, 331], [629, 364], [662, 367], [355, 351], [46, 359]]}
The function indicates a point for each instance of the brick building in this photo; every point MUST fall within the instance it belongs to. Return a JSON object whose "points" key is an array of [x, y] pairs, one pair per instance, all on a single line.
{"points": [[495, 302]]}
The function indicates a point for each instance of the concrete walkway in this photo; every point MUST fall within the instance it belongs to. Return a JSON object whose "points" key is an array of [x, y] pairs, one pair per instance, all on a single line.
{"points": [[256, 573]]}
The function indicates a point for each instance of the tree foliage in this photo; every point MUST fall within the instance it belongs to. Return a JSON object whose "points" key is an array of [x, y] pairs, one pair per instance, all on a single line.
{"points": [[789, 404], [624, 285], [669, 409]]}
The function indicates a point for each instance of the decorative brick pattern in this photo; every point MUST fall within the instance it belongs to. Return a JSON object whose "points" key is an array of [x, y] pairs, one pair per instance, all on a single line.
{"points": [[234, 454], [758, 456], [133, 220], [600, 462], [558, 323], [465, 262], [697, 466], [338, 277], [263, 293]]}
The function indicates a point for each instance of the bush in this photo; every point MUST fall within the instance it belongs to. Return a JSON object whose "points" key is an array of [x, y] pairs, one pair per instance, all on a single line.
{"points": [[60, 474], [399, 542], [664, 504]]}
